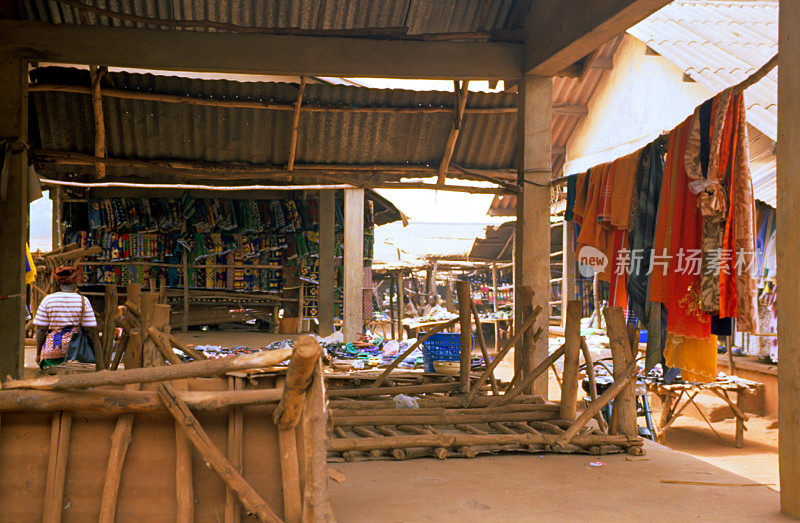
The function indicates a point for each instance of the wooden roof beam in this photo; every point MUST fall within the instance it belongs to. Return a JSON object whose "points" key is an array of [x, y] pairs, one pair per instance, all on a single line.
{"points": [[461, 90], [561, 32], [260, 53]]}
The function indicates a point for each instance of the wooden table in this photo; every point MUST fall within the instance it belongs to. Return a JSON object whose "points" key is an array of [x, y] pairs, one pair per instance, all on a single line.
{"points": [[672, 395], [507, 322], [413, 328]]}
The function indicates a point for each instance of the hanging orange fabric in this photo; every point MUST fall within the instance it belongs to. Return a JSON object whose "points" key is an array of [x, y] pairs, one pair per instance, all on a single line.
{"points": [[697, 359], [579, 207], [618, 294], [622, 192], [592, 232], [684, 314], [659, 282]]}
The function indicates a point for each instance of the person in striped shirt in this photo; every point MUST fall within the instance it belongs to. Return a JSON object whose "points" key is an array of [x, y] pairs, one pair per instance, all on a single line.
{"points": [[60, 316]]}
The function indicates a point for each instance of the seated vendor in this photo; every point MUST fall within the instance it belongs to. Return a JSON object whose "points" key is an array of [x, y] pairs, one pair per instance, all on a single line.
{"points": [[60, 316], [434, 307]]}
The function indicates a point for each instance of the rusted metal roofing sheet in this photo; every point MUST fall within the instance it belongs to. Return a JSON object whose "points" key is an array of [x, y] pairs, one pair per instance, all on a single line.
{"points": [[144, 129], [419, 16]]}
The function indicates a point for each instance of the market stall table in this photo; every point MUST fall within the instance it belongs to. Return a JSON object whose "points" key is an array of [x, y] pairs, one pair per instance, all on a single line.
{"points": [[672, 394]]}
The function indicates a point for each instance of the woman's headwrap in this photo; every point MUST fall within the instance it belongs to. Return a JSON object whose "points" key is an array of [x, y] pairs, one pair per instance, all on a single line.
{"points": [[66, 275]]}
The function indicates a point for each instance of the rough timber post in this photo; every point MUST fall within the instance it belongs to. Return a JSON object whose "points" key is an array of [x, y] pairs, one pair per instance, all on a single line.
{"points": [[567, 269], [353, 263], [327, 237], [789, 257], [13, 214], [532, 235]]}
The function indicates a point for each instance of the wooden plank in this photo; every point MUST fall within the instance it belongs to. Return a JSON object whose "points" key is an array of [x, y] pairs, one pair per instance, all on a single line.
{"points": [[327, 269], [185, 317], [554, 40], [464, 295], [120, 440], [13, 215], [209, 367], [133, 354], [482, 344], [250, 499], [401, 303], [353, 263], [221, 52], [57, 466], [532, 233], [788, 238], [572, 344]]}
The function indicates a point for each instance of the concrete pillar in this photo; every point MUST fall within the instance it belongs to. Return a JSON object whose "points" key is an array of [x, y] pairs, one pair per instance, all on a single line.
{"points": [[353, 263], [13, 215], [789, 257], [567, 270], [532, 235]]}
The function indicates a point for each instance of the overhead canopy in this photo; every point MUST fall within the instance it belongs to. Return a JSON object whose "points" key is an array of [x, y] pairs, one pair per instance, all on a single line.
{"points": [[354, 132]]}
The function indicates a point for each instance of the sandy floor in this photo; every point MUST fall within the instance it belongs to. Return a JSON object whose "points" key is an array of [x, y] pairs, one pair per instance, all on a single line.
{"points": [[547, 488]]}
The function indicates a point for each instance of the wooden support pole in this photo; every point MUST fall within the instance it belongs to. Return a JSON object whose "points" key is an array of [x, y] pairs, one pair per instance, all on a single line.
{"points": [[290, 474], [120, 440], [13, 212], [315, 434], [464, 314], [295, 124], [460, 90], [624, 379], [57, 466], [567, 268], [163, 345], [96, 74], [327, 268], [57, 237], [482, 343], [587, 357], [192, 369], [385, 374], [788, 239], [133, 354], [185, 317], [532, 234], [619, 342], [353, 263], [515, 389], [502, 354], [298, 378], [572, 345], [109, 326], [235, 451], [494, 291], [194, 354], [401, 303], [250, 499], [184, 479], [153, 353]]}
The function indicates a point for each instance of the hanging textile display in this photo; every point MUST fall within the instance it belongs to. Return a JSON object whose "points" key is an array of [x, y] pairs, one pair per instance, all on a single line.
{"points": [[238, 245], [674, 223]]}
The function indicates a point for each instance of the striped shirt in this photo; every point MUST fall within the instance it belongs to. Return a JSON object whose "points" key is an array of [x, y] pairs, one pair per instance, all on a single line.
{"points": [[62, 309]]}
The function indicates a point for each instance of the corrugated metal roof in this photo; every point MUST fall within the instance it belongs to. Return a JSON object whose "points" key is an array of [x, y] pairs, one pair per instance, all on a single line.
{"points": [[496, 246], [718, 44], [413, 245], [566, 91], [419, 16], [144, 129]]}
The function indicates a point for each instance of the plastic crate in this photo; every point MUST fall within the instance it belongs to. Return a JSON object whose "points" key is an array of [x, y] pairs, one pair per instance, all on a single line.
{"points": [[444, 346]]}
